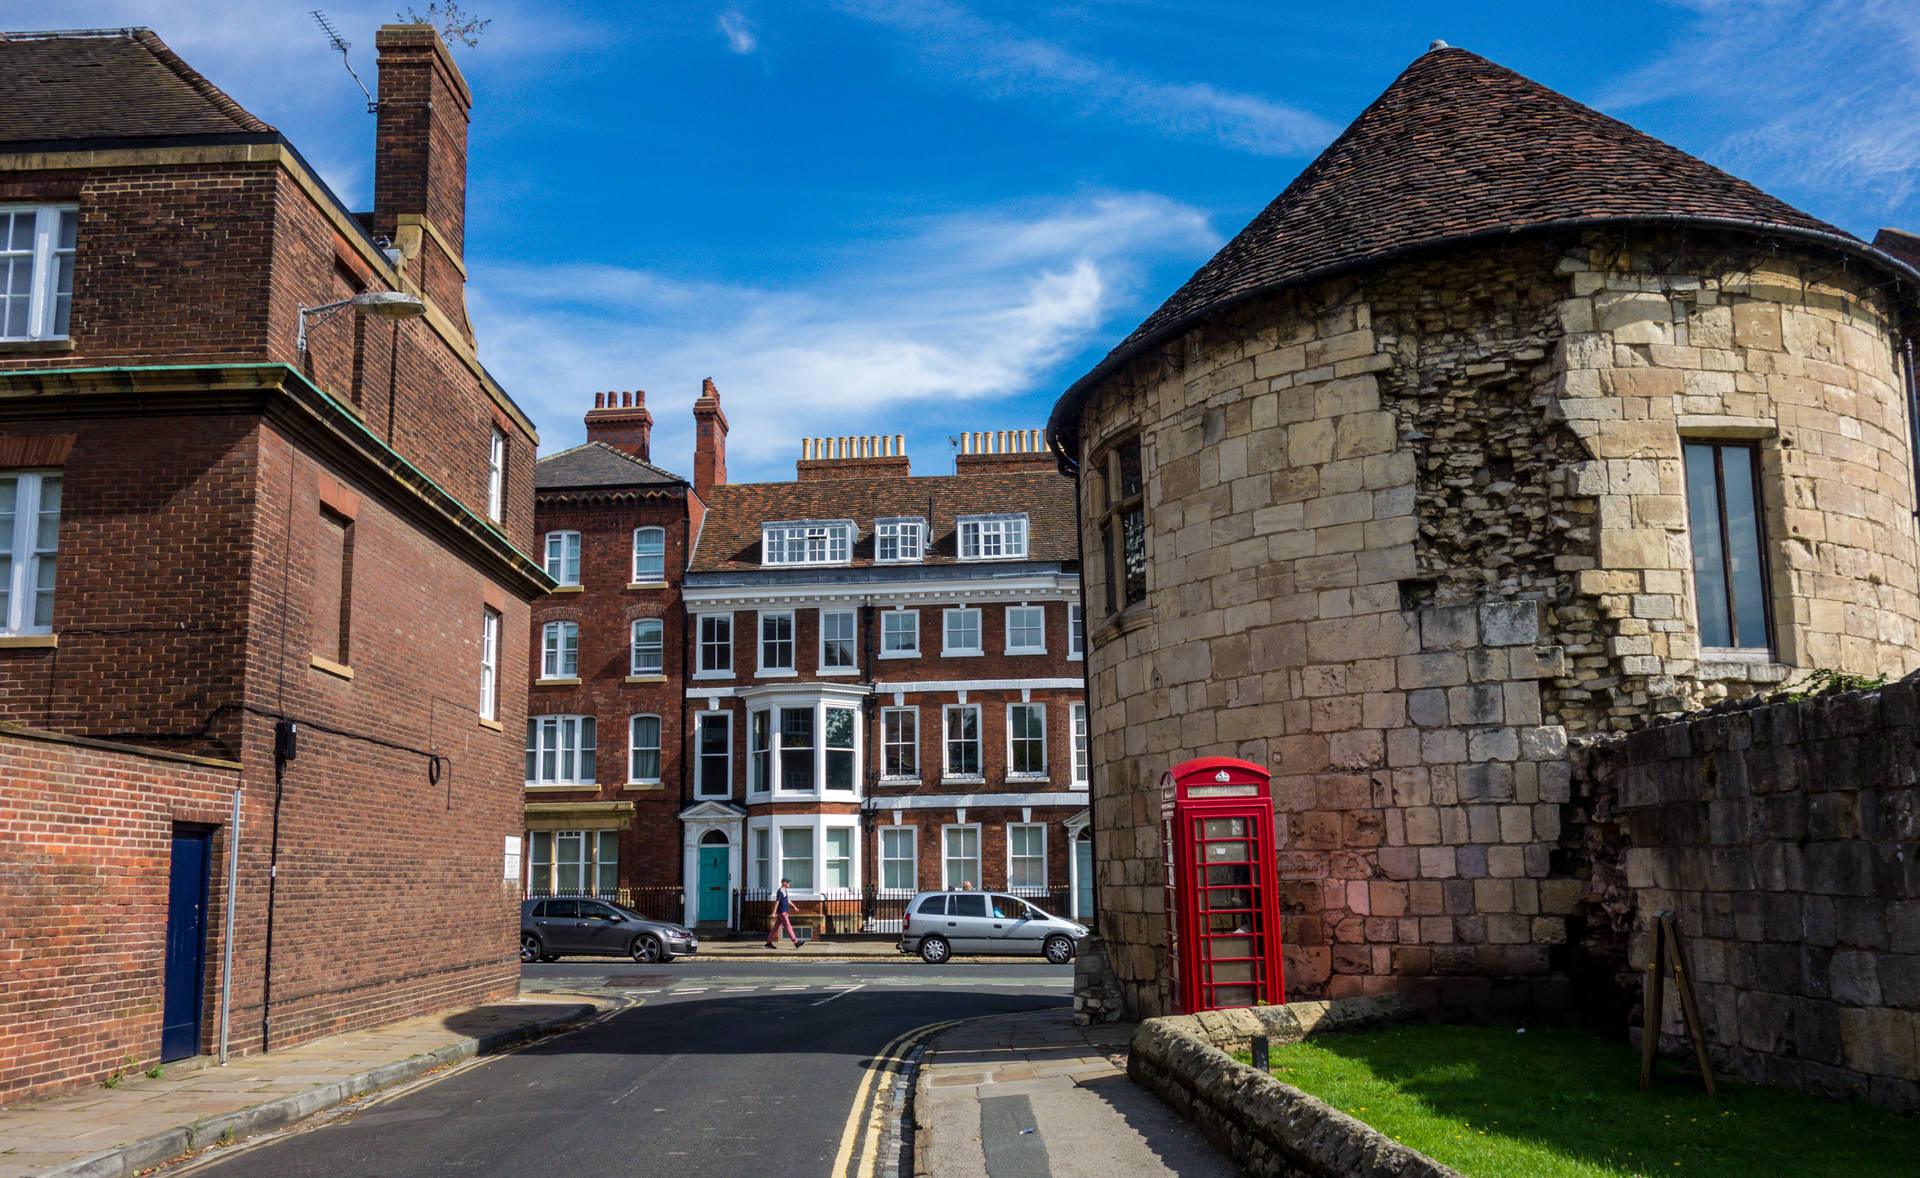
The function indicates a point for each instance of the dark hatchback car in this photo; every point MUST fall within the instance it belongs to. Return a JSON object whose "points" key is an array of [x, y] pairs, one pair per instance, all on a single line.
{"points": [[559, 928]]}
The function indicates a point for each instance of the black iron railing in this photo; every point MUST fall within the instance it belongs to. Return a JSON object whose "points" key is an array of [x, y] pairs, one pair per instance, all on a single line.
{"points": [[849, 911]]}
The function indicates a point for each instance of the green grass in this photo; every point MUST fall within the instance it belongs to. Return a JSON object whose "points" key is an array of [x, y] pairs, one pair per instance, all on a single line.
{"points": [[1494, 1102]]}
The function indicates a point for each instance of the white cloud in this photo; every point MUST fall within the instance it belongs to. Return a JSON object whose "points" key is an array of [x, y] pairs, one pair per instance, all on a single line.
{"points": [[963, 317], [1814, 94], [960, 44], [739, 36]]}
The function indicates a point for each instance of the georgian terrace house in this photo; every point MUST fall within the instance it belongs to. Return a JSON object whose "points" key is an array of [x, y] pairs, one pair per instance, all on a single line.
{"points": [[884, 689]]}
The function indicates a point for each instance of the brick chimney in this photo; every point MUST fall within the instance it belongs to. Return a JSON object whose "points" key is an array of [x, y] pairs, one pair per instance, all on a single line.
{"points": [[709, 442], [420, 163], [869, 456], [621, 420], [1004, 451]]}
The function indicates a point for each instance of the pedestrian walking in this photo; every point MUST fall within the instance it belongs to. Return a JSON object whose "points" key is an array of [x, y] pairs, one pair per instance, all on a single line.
{"points": [[782, 918]]}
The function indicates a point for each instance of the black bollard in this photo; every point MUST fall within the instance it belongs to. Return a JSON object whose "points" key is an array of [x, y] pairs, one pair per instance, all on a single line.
{"points": [[1260, 1053]]}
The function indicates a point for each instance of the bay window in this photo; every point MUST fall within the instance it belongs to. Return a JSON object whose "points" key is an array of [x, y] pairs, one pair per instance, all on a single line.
{"points": [[573, 863]]}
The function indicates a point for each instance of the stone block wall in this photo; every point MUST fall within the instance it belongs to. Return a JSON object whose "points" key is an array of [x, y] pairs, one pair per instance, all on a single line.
{"points": [[1407, 531], [1782, 839]]}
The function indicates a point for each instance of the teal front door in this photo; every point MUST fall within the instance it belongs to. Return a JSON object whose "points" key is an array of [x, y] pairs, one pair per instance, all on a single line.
{"points": [[713, 885]]}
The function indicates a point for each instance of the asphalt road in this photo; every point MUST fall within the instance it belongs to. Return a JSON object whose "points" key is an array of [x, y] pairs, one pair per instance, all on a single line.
{"points": [[722, 1068]]}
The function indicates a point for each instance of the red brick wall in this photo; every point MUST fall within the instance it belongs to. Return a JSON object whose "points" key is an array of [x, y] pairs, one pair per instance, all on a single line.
{"points": [[83, 905], [605, 609]]}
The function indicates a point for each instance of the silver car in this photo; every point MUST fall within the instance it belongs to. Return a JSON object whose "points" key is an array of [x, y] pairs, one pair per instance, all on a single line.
{"points": [[561, 927], [940, 924]]}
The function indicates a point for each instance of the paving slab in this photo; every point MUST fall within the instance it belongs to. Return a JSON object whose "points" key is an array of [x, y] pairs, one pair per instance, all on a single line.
{"points": [[1033, 1096]]}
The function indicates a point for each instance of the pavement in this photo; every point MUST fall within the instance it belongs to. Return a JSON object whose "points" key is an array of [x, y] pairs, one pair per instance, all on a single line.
{"points": [[143, 1121], [1033, 1096]]}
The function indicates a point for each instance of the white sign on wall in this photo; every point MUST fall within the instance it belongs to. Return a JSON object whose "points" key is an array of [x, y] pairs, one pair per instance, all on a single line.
{"points": [[511, 871]]}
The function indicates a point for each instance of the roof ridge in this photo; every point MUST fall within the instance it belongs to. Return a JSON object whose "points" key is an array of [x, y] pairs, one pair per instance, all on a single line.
{"points": [[219, 99]]}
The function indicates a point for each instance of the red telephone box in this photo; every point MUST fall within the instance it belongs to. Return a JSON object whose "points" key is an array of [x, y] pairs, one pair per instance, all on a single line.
{"points": [[1223, 917]]}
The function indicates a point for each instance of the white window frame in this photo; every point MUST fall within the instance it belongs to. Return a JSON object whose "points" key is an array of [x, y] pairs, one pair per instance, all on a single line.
{"points": [[763, 858], [42, 260], [1027, 826], [708, 646], [811, 884], [633, 746], [701, 721], [887, 743], [1080, 765], [911, 859], [1076, 631], [947, 648], [489, 662], [852, 640], [599, 856], [948, 858], [911, 630], [800, 543], [1026, 648], [658, 626], [20, 589], [766, 669], [1039, 774], [659, 577], [947, 714], [766, 774], [554, 651], [496, 474], [906, 535], [563, 555], [558, 728], [993, 537], [828, 858]]}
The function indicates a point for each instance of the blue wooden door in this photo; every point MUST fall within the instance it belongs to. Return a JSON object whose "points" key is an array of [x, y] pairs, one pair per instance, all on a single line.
{"points": [[713, 885], [186, 944]]}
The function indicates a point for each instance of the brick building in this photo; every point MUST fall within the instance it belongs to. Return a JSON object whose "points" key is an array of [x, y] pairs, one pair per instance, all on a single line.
{"points": [[1503, 424], [222, 512], [607, 657], [884, 688]]}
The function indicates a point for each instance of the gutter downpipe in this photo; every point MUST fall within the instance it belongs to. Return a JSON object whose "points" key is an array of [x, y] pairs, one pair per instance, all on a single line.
{"points": [[233, 900]]}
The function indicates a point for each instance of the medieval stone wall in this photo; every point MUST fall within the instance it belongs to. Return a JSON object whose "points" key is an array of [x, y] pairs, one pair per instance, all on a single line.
{"points": [[1781, 838], [1405, 533]]}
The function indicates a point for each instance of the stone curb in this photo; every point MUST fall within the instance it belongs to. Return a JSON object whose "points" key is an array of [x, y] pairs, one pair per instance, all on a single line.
{"points": [[158, 1148], [1271, 1128]]}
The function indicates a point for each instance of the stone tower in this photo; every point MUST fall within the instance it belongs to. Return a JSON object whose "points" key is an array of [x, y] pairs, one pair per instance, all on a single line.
{"points": [[1504, 423]]}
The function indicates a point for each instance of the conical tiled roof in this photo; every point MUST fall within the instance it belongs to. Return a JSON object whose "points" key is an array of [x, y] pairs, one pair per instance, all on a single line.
{"points": [[1456, 148]]}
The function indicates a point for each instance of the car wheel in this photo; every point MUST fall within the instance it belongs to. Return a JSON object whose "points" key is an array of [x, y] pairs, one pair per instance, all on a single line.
{"points": [[1059, 950], [646, 949], [934, 950], [530, 949]]}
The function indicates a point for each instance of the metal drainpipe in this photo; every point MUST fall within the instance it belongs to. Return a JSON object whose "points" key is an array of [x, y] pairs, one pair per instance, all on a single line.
{"points": [[1086, 699], [226, 943], [686, 705], [1907, 351], [869, 814]]}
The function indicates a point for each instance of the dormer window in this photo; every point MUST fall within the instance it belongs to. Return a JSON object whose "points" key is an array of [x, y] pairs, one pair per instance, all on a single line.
{"points": [[993, 537], [807, 542], [897, 541]]}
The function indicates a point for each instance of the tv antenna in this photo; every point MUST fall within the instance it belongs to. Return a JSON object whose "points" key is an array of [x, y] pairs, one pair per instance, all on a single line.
{"points": [[339, 43]]}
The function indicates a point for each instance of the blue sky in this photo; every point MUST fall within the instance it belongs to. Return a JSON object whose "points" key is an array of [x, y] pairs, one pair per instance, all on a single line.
{"points": [[927, 216]]}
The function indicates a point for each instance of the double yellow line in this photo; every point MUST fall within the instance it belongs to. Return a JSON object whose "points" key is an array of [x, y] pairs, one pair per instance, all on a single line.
{"points": [[864, 1124]]}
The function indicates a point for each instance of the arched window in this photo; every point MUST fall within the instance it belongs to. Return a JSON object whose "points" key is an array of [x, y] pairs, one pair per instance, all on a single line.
{"points": [[649, 554], [648, 648]]}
